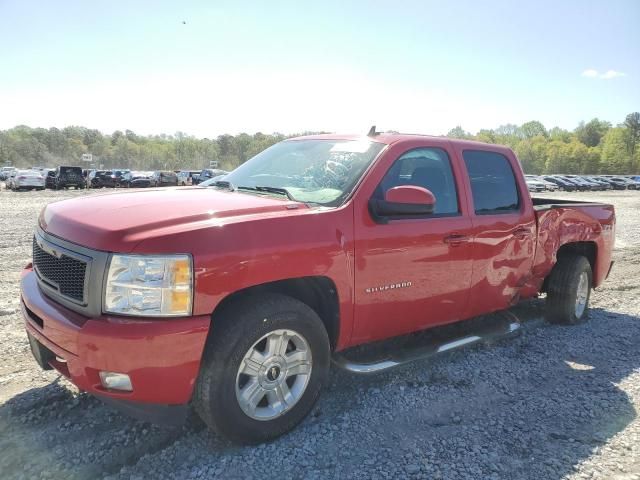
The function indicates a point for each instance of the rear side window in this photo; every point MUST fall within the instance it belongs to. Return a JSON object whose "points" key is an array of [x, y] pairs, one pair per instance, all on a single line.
{"points": [[493, 183]]}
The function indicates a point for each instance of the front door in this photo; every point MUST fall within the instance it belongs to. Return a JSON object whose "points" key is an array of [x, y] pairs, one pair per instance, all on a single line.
{"points": [[411, 274]]}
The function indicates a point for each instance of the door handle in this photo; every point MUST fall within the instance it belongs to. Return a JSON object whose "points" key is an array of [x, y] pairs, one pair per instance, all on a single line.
{"points": [[455, 239], [521, 233]]}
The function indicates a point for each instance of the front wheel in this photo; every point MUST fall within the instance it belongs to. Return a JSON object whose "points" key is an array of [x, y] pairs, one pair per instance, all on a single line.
{"points": [[263, 369], [569, 289]]}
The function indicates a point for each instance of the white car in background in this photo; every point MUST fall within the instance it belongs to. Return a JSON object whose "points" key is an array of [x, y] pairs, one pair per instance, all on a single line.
{"points": [[535, 179], [5, 172], [26, 179]]}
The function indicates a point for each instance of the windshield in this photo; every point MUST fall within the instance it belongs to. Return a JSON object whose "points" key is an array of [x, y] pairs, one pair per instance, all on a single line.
{"points": [[315, 171]]}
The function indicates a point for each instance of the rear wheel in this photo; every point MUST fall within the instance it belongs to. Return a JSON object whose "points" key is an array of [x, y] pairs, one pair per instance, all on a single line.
{"points": [[569, 289], [263, 369]]}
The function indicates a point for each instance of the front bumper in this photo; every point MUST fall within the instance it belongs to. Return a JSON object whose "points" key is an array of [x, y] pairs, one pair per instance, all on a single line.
{"points": [[161, 356]]}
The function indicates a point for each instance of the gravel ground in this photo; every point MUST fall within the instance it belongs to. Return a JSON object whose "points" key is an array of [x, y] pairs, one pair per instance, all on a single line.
{"points": [[555, 402]]}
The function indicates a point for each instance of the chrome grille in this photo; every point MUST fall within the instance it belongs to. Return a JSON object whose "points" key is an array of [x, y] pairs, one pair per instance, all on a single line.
{"points": [[63, 273]]}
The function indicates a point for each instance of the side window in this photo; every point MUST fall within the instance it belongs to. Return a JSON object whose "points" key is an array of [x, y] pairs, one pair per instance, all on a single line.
{"points": [[493, 183], [424, 167]]}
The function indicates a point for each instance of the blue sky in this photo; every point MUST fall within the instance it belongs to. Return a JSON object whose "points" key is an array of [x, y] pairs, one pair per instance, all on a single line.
{"points": [[421, 66]]}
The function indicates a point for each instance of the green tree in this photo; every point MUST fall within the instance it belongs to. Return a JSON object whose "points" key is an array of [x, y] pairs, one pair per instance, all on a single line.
{"points": [[632, 124], [459, 132], [532, 153], [615, 156], [532, 129], [591, 133], [557, 133], [487, 136]]}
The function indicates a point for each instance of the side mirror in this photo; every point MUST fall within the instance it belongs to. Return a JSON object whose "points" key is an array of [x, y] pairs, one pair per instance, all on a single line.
{"points": [[404, 201]]}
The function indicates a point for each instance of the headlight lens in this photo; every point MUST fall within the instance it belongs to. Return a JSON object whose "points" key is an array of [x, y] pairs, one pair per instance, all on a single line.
{"points": [[153, 286]]}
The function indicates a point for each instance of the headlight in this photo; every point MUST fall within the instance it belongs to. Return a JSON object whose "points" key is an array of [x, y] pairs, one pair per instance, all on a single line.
{"points": [[154, 286]]}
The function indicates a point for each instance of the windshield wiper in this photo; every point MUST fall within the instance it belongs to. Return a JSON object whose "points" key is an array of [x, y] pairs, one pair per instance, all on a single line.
{"points": [[278, 190], [225, 184]]}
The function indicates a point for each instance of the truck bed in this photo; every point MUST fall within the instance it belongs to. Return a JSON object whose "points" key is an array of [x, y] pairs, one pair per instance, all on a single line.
{"points": [[546, 203]]}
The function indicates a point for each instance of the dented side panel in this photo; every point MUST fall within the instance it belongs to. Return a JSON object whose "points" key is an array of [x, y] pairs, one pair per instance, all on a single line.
{"points": [[567, 224]]}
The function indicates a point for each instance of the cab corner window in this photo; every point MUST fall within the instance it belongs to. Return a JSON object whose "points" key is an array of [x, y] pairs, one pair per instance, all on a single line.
{"points": [[493, 183], [429, 168]]}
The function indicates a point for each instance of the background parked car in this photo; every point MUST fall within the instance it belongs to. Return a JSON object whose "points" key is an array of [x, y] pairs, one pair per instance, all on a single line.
{"points": [[551, 187], [209, 173], [560, 182], [164, 178], [96, 178], [535, 186], [5, 172], [140, 179], [120, 178], [615, 182], [188, 177], [604, 185], [547, 185], [631, 185], [579, 183], [65, 177], [586, 185], [26, 180]]}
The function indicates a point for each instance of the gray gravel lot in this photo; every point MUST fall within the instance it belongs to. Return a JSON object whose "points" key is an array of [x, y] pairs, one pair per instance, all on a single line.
{"points": [[555, 402]]}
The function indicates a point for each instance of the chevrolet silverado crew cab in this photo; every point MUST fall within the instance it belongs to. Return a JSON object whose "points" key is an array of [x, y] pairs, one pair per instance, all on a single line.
{"points": [[234, 298]]}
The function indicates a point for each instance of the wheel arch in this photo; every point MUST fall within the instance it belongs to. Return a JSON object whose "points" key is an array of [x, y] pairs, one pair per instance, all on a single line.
{"points": [[587, 249], [317, 292]]}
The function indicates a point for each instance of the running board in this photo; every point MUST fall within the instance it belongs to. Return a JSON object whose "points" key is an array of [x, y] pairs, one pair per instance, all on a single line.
{"points": [[402, 357]]}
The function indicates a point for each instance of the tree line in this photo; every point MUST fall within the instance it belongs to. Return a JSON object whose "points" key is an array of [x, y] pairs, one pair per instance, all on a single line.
{"points": [[593, 147], [23, 146]]}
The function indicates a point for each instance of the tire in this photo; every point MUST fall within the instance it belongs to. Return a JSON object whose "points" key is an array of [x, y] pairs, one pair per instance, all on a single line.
{"points": [[241, 329], [566, 283]]}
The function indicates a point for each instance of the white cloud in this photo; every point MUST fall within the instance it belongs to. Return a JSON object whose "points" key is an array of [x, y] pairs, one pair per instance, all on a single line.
{"points": [[608, 75], [611, 74], [590, 73]]}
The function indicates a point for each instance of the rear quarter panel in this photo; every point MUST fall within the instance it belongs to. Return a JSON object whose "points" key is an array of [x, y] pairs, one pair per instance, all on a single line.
{"points": [[561, 225]]}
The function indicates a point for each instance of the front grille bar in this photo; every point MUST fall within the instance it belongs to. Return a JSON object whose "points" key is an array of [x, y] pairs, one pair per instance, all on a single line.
{"points": [[61, 270]]}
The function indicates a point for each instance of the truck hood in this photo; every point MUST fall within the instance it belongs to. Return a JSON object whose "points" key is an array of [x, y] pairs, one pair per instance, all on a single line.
{"points": [[117, 222]]}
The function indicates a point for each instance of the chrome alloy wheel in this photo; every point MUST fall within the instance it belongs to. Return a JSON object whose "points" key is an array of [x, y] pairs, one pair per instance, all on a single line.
{"points": [[582, 294], [273, 375]]}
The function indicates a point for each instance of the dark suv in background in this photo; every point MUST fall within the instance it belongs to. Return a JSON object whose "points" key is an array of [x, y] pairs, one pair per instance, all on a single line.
{"points": [[65, 177], [96, 178], [207, 174], [164, 178]]}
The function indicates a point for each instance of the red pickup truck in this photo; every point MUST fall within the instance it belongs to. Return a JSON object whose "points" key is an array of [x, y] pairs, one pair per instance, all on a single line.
{"points": [[234, 298]]}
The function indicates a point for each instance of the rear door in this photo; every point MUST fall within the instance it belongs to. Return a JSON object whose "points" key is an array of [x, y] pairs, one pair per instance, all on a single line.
{"points": [[503, 228], [412, 273]]}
